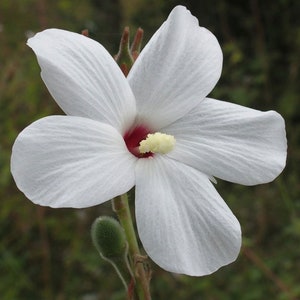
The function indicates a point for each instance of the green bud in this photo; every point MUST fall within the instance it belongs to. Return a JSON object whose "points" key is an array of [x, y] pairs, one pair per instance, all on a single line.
{"points": [[128, 54], [109, 238], [124, 57]]}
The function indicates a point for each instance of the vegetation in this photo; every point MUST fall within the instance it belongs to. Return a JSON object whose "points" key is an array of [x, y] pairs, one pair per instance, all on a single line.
{"points": [[48, 253]]}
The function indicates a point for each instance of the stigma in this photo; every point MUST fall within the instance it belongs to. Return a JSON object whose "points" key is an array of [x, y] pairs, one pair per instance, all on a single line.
{"points": [[157, 143]]}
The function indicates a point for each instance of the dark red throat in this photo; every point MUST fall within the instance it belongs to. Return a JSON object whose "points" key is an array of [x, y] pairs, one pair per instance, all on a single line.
{"points": [[132, 139]]}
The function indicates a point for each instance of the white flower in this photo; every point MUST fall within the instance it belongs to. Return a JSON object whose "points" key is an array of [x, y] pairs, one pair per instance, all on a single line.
{"points": [[94, 154]]}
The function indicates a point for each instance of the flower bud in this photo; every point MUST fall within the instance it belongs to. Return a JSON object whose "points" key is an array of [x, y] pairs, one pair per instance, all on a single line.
{"points": [[124, 57], [109, 238], [127, 55]]}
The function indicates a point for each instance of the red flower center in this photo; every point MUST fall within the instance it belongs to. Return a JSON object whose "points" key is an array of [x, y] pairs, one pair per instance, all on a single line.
{"points": [[132, 139]]}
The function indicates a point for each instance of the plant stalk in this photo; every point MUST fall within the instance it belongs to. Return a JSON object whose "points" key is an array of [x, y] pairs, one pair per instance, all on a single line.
{"points": [[121, 207]]}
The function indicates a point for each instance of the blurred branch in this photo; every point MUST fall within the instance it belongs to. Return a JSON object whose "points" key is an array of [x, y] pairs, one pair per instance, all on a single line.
{"points": [[253, 257], [42, 13], [260, 38], [46, 265]]}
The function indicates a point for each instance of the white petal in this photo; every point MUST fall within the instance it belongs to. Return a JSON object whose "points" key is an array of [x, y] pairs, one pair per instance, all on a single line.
{"points": [[183, 223], [83, 78], [231, 142], [176, 70], [63, 161]]}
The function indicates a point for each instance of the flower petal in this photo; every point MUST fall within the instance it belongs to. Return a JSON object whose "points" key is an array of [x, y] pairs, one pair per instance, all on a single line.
{"points": [[176, 70], [231, 142], [183, 223], [83, 78], [64, 161]]}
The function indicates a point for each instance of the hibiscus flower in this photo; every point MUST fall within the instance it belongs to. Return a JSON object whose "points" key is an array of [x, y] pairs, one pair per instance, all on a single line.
{"points": [[155, 130]]}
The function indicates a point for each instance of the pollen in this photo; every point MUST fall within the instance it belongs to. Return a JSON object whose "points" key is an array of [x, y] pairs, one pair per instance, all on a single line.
{"points": [[157, 143]]}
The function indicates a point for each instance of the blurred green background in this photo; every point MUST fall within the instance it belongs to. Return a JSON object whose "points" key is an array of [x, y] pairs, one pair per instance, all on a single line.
{"points": [[47, 253]]}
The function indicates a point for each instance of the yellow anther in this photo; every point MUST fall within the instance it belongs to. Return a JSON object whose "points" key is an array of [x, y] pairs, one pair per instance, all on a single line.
{"points": [[157, 143]]}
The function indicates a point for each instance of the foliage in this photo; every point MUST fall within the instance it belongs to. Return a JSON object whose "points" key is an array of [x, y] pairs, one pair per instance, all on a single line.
{"points": [[48, 254]]}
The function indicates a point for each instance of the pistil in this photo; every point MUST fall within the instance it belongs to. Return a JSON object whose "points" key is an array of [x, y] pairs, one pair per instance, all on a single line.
{"points": [[157, 143]]}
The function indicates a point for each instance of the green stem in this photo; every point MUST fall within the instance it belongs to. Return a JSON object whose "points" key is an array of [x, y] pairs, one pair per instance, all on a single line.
{"points": [[121, 207], [122, 268]]}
